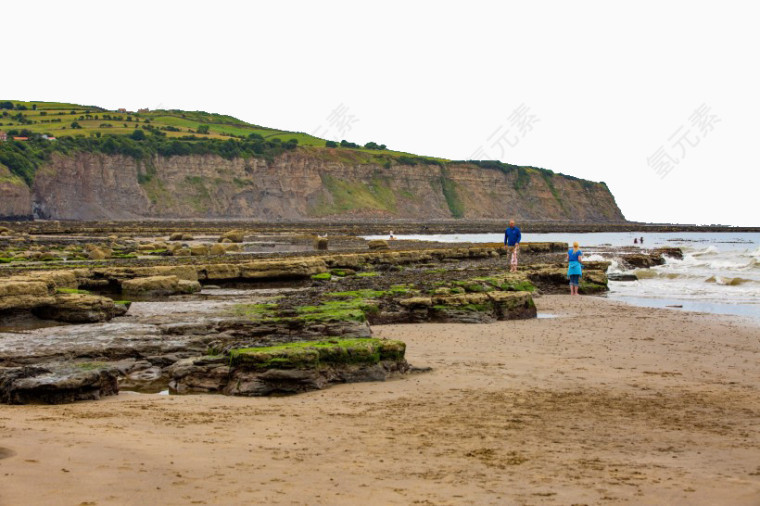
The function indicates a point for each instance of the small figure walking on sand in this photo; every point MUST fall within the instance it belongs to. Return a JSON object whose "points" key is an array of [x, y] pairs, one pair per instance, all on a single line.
{"points": [[512, 238], [574, 268], [391, 237]]}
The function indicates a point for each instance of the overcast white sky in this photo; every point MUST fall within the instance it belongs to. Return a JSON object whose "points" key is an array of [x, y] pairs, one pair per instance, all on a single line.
{"points": [[603, 90]]}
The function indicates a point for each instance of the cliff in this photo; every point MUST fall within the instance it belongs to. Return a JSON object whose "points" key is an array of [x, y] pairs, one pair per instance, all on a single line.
{"points": [[301, 184], [15, 197]]}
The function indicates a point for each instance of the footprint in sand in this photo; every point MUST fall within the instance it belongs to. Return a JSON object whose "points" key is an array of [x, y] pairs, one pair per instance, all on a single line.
{"points": [[6, 452]]}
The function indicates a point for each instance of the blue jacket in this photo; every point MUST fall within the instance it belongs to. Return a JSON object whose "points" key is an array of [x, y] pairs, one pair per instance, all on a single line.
{"points": [[512, 236]]}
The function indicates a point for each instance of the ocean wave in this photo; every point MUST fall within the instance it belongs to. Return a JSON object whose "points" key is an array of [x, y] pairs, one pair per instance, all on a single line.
{"points": [[707, 251], [726, 261], [729, 281], [663, 274]]}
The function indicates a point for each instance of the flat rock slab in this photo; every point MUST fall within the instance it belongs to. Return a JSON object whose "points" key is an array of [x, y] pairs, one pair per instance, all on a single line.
{"points": [[290, 368]]}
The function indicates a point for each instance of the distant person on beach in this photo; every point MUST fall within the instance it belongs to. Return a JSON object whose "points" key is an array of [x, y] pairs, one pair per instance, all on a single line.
{"points": [[512, 238], [574, 268], [635, 241], [391, 235], [641, 240]]}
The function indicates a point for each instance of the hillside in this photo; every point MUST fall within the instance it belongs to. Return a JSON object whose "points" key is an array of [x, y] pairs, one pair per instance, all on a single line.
{"points": [[196, 165]]}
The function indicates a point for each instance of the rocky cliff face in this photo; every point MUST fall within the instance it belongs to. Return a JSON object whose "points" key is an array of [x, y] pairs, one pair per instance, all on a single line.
{"points": [[296, 186], [15, 197]]}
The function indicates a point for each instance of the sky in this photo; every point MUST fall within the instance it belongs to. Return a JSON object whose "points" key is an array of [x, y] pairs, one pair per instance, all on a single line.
{"points": [[660, 100]]}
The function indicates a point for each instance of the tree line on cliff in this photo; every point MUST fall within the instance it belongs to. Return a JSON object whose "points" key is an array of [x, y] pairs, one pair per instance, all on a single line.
{"points": [[23, 158]]}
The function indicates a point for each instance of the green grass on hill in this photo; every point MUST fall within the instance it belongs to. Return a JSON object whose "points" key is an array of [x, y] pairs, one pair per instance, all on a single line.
{"points": [[56, 119]]}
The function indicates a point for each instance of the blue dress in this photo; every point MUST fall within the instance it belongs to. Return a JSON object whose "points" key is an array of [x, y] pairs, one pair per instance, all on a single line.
{"points": [[574, 268]]}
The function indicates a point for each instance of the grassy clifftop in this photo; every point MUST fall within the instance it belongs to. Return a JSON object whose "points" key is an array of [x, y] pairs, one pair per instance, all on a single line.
{"points": [[23, 118]]}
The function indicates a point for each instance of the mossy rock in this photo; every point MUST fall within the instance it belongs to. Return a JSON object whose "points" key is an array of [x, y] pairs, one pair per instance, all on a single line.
{"points": [[315, 354], [328, 312], [342, 272], [588, 287], [378, 244]]}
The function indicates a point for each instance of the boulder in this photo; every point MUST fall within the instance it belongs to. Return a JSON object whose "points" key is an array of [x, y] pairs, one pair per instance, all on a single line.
{"points": [[233, 236], [643, 260], [378, 244], [80, 308], [199, 250], [47, 256], [620, 276], [151, 285], [217, 249], [231, 247], [670, 252], [176, 236], [186, 286], [98, 253]]}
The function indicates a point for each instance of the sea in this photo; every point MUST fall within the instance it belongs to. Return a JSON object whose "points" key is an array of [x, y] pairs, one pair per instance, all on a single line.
{"points": [[719, 272]]}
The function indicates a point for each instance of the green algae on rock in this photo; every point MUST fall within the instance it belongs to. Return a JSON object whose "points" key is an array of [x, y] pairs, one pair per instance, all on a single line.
{"points": [[290, 368], [313, 354]]}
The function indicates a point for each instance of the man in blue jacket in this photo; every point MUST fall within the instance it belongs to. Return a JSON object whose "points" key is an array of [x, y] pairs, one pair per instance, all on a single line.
{"points": [[512, 238]]}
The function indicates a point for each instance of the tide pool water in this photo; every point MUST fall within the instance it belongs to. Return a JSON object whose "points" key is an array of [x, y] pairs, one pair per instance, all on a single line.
{"points": [[720, 272]]}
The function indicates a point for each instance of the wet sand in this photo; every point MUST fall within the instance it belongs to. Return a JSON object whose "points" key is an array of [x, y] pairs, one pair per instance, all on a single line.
{"points": [[606, 404]]}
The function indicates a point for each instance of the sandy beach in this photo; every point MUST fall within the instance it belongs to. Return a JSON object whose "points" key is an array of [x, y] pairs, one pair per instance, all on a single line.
{"points": [[603, 404]]}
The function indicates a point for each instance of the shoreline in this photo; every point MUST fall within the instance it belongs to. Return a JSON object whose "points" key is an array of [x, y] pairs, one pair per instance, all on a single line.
{"points": [[605, 402], [358, 227]]}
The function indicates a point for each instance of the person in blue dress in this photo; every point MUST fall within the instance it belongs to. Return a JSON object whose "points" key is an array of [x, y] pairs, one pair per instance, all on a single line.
{"points": [[574, 268]]}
